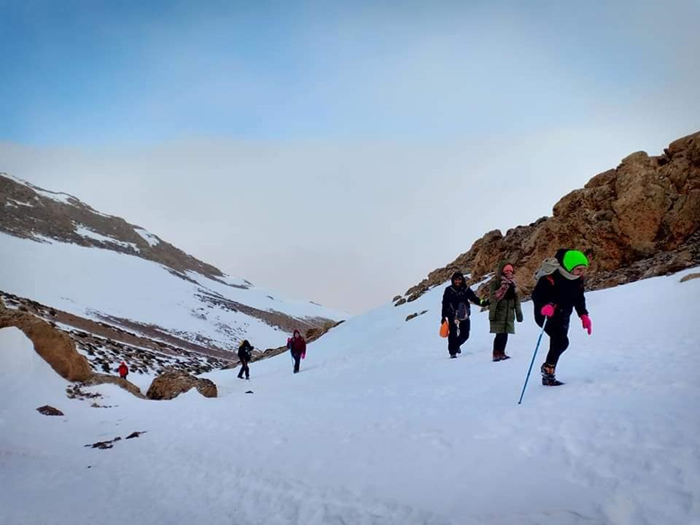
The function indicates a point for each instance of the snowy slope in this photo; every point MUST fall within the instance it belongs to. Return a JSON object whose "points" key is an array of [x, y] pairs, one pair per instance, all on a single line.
{"points": [[93, 282], [382, 428]]}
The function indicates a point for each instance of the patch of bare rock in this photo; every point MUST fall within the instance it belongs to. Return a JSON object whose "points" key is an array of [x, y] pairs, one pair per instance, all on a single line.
{"points": [[171, 384]]}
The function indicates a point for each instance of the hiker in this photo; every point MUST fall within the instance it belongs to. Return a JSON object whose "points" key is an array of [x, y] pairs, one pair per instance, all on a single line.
{"points": [[456, 310], [504, 308], [558, 291], [245, 352], [297, 346], [123, 370]]}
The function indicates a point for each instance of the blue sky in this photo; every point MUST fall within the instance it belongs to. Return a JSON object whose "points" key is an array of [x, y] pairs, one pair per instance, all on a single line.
{"points": [[373, 117], [86, 72]]}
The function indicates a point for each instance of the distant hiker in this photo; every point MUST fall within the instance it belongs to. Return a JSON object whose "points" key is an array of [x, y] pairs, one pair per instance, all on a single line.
{"points": [[558, 291], [456, 310], [297, 346], [504, 308], [245, 352], [123, 370]]}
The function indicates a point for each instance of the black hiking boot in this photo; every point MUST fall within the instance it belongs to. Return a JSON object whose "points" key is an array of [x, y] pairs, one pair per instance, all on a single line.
{"points": [[453, 356], [548, 377]]}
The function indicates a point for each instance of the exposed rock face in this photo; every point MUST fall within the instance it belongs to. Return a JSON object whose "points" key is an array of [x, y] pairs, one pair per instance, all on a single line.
{"points": [[55, 347], [171, 384], [636, 221]]}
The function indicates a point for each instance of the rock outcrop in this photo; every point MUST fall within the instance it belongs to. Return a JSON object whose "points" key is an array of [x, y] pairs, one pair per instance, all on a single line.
{"points": [[104, 379], [171, 384], [54, 346], [636, 221], [48, 410], [58, 350]]}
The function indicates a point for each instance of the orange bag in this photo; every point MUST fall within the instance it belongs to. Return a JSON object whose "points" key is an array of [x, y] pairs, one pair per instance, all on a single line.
{"points": [[444, 329]]}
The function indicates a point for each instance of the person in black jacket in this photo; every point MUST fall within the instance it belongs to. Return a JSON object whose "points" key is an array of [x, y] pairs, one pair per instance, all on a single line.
{"points": [[245, 352], [456, 310], [559, 290]]}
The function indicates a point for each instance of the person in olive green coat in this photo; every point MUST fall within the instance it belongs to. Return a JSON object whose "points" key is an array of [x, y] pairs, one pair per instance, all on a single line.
{"points": [[504, 308]]}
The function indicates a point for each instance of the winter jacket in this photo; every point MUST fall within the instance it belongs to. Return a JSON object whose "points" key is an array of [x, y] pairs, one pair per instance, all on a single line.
{"points": [[503, 313], [123, 370], [559, 289], [297, 345], [454, 296], [245, 351]]}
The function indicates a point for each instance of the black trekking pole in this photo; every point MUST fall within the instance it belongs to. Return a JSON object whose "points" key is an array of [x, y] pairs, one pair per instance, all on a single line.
{"points": [[539, 339]]}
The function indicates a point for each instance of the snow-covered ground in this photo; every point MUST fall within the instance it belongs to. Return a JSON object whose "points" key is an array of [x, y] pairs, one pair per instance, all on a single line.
{"points": [[382, 428], [92, 281]]}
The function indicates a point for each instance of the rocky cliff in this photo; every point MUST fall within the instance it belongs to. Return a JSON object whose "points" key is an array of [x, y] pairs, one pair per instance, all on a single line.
{"points": [[635, 221]]}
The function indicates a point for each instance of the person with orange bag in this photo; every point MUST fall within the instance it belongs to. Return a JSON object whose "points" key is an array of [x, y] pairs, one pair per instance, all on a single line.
{"points": [[456, 311]]}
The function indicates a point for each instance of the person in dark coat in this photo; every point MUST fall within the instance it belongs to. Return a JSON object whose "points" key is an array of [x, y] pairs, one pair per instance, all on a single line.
{"points": [[297, 346], [123, 370], [504, 308], [456, 310], [559, 290], [245, 352]]}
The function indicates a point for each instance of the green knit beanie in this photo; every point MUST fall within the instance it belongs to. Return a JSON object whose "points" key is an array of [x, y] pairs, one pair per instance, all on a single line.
{"points": [[574, 258]]}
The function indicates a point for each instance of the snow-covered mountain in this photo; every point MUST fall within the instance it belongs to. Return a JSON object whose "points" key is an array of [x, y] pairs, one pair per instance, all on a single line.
{"points": [[56, 250], [380, 427]]}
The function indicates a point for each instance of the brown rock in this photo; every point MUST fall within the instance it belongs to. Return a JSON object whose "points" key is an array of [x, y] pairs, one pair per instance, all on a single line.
{"points": [[638, 220], [48, 410], [102, 379], [55, 347], [414, 315], [171, 384]]}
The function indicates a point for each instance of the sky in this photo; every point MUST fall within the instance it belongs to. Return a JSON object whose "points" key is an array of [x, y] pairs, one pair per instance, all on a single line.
{"points": [[337, 151]]}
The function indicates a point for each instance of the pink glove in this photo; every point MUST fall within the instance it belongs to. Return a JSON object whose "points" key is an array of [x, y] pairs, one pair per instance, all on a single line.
{"points": [[547, 310], [586, 322]]}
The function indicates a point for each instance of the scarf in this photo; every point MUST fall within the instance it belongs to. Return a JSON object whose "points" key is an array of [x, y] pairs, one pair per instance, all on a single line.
{"points": [[549, 266], [505, 284]]}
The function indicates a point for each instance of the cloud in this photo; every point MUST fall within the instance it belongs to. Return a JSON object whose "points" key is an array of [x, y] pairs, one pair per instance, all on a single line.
{"points": [[348, 224], [339, 152]]}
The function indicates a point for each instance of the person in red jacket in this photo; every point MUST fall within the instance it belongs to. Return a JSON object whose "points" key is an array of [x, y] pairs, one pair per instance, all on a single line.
{"points": [[123, 370], [297, 346]]}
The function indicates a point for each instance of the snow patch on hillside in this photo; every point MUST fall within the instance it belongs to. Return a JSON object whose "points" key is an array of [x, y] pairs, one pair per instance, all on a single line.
{"points": [[84, 231], [147, 236]]}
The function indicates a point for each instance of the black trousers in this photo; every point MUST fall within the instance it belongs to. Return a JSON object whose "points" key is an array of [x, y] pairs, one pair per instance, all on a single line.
{"points": [[499, 344], [244, 370], [297, 361], [558, 331], [454, 341]]}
